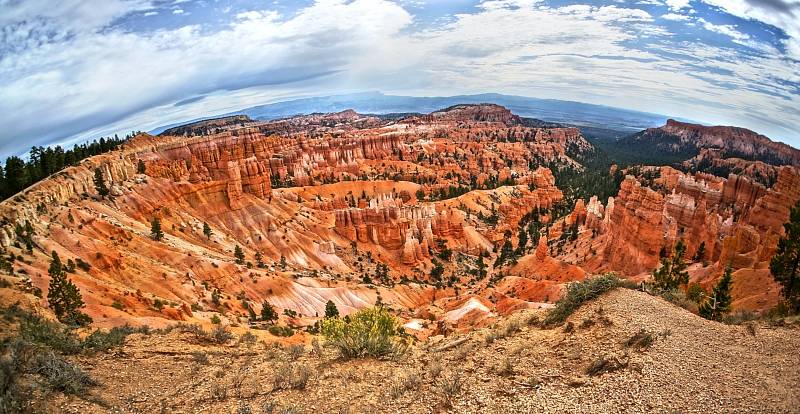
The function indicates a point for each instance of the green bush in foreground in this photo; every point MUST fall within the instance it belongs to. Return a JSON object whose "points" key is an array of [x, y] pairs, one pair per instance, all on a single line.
{"points": [[371, 332], [579, 292]]}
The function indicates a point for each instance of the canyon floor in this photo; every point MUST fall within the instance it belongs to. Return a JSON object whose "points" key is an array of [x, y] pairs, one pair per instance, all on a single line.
{"points": [[692, 365]]}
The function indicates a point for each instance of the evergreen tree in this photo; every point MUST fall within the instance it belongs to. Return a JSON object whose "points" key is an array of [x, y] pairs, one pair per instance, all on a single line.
{"points": [[331, 311], [673, 269], [785, 264], [63, 296], [100, 183], [43, 162], [207, 230], [238, 253], [15, 176], [251, 314], [523, 240], [155, 229], [140, 167], [268, 312], [260, 260], [481, 268], [719, 303], [283, 262], [437, 271], [701, 252]]}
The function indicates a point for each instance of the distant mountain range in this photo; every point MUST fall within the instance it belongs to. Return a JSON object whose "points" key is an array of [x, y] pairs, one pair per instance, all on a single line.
{"points": [[601, 121]]}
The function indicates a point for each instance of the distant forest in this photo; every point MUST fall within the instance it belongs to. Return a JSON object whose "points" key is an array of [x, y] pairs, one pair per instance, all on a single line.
{"points": [[17, 174]]}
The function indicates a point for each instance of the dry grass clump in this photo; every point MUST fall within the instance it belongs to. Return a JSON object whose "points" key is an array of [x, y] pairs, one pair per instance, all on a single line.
{"points": [[511, 327], [291, 376], [607, 363], [505, 368], [406, 381], [296, 351], [641, 340], [435, 368], [449, 387]]}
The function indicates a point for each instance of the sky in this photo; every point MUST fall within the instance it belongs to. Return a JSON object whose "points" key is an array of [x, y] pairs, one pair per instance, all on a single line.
{"points": [[74, 70]]}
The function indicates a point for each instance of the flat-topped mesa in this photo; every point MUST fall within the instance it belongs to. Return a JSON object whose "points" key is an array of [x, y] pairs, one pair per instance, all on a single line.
{"points": [[478, 113], [733, 142]]}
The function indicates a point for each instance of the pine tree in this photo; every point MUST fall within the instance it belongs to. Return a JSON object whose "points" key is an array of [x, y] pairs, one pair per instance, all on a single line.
{"points": [[207, 230], [155, 229], [260, 260], [100, 183], [701, 252], [140, 167], [719, 303], [673, 269], [268, 312], [63, 296], [238, 253], [523, 240], [785, 264], [331, 311]]}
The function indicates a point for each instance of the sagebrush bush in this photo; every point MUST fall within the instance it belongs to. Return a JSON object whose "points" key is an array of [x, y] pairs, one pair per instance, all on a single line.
{"points": [[371, 332], [62, 375], [220, 335], [579, 292]]}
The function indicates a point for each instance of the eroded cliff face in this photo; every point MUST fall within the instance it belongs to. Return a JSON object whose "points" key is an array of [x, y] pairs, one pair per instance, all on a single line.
{"points": [[324, 201], [417, 213], [737, 220]]}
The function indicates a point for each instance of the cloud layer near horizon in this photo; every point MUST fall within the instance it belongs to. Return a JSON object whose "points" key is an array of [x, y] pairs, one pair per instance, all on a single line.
{"points": [[83, 68]]}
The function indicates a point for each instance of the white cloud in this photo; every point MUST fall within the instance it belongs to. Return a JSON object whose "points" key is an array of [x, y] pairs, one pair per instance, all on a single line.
{"points": [[724, 29], [100, 79], [678, 4], [783, 14], [675, 17]]}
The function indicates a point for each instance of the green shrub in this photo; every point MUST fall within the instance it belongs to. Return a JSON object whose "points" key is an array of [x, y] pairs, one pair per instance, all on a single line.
{"points": [[101, 341], [281, 330], [372, 332], [49, 334], [696, 293], [579, 292], [677, 297]]}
